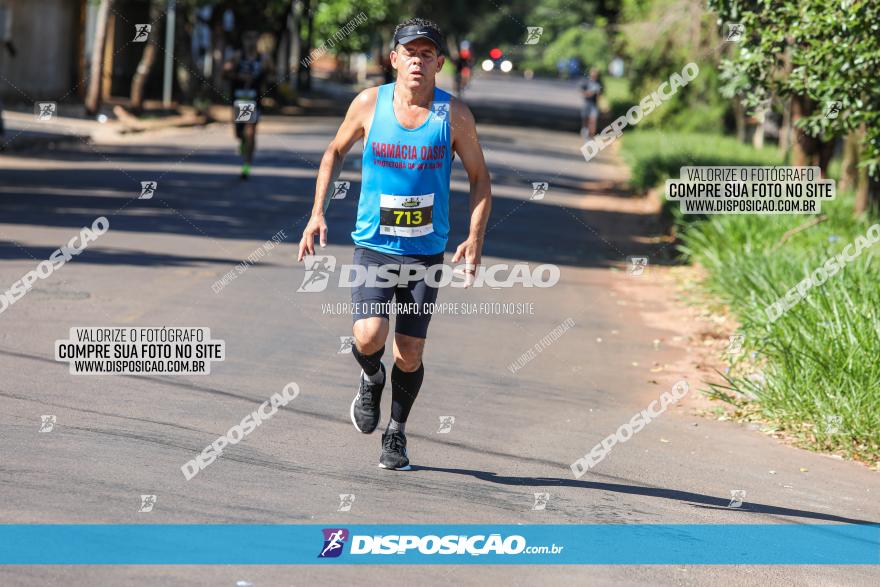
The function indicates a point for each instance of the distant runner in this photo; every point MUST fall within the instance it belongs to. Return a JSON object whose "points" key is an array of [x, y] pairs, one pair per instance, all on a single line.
{"points": [[591, 88], [248, 71], [412, 130]]}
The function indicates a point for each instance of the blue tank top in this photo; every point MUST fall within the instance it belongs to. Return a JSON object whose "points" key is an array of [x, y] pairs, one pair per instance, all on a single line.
{"points": [[404, 202]]}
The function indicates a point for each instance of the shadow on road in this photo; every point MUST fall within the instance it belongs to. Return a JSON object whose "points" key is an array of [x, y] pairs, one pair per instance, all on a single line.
{"points": [[696, 499], [200, 194], [215, 204]]}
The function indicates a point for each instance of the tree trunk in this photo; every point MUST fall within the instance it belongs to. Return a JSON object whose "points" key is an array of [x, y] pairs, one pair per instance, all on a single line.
{"points": [[282, 40], [785, 129], [184, 62], [140, 77], [849, 172], [868, 192], [758, 136], [96, 71], [218, 51], [295, 46], [304, 70], [801, 145], [148, 58], [739, 117], [824, 154]]}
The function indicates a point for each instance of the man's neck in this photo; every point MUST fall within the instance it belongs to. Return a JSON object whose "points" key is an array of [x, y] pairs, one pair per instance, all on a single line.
{"points": [[421, 96]]}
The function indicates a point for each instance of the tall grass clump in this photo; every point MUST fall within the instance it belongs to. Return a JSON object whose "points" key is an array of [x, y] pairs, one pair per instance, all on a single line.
{"points": [[815, 371]]}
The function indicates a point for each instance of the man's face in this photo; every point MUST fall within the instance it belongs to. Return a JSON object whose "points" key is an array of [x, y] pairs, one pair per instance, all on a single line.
{"points": [[417, 63]]}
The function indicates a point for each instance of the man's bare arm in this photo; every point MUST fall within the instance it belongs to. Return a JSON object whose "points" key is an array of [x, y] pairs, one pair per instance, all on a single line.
{"points": [[351, 131], [466, 144]]}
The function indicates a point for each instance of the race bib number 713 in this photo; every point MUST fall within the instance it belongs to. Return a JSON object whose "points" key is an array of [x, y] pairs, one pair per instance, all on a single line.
{"points": [[406, 215]]}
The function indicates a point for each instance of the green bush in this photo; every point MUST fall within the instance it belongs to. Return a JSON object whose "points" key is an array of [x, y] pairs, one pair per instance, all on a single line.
{"points": [[654, 156]]}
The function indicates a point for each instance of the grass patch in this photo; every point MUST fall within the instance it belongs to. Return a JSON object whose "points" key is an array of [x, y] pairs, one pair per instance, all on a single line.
{"points": [[814, 372]]}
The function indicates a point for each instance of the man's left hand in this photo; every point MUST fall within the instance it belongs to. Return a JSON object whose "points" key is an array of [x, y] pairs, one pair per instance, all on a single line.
{"points": [[470, 251]]}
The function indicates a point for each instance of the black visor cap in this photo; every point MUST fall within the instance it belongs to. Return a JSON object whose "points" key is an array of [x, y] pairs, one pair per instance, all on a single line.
{"points": [[411, 33]]}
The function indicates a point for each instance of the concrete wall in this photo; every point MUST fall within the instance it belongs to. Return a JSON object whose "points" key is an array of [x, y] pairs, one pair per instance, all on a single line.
{"points": [[45, 34]]}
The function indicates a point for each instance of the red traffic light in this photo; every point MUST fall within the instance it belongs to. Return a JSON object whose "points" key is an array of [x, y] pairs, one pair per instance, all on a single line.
{"points": [[495, 53]]}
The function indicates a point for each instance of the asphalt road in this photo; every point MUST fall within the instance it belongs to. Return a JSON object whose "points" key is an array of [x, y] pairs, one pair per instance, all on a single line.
{"points": [[118, 437]]}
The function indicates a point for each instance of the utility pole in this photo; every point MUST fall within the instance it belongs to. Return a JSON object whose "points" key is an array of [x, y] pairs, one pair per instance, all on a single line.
{"points": [[169, 53], [96, 73]]}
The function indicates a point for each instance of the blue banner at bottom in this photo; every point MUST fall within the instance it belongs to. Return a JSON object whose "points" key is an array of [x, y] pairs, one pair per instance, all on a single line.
{"points": [[208, 544]]}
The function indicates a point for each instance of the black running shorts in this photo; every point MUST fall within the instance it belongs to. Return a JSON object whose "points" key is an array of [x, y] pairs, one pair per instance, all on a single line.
{"points": [[413, 301]]}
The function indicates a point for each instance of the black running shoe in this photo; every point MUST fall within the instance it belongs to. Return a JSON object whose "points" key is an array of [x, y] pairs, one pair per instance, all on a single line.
{"points": [[365, 406], [394, 453]]}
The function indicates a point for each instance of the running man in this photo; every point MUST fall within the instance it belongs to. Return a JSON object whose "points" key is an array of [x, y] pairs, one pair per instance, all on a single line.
{"points": [[411, 130], [248, 71], [591, 88]]}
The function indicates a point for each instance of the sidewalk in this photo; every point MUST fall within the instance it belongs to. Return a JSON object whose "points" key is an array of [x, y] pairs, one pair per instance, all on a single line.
{"points": [[23, 132]]}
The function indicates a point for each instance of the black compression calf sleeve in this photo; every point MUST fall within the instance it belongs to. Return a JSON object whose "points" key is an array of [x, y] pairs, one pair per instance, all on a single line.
{"points": [[369, 363], [404, 389]]}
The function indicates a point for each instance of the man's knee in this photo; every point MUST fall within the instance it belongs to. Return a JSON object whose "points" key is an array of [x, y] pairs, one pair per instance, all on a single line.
{"points": [[409, 353], [370, 335]]}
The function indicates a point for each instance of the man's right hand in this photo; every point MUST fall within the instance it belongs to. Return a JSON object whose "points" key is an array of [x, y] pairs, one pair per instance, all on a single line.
{"points": [[316, 226]]}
